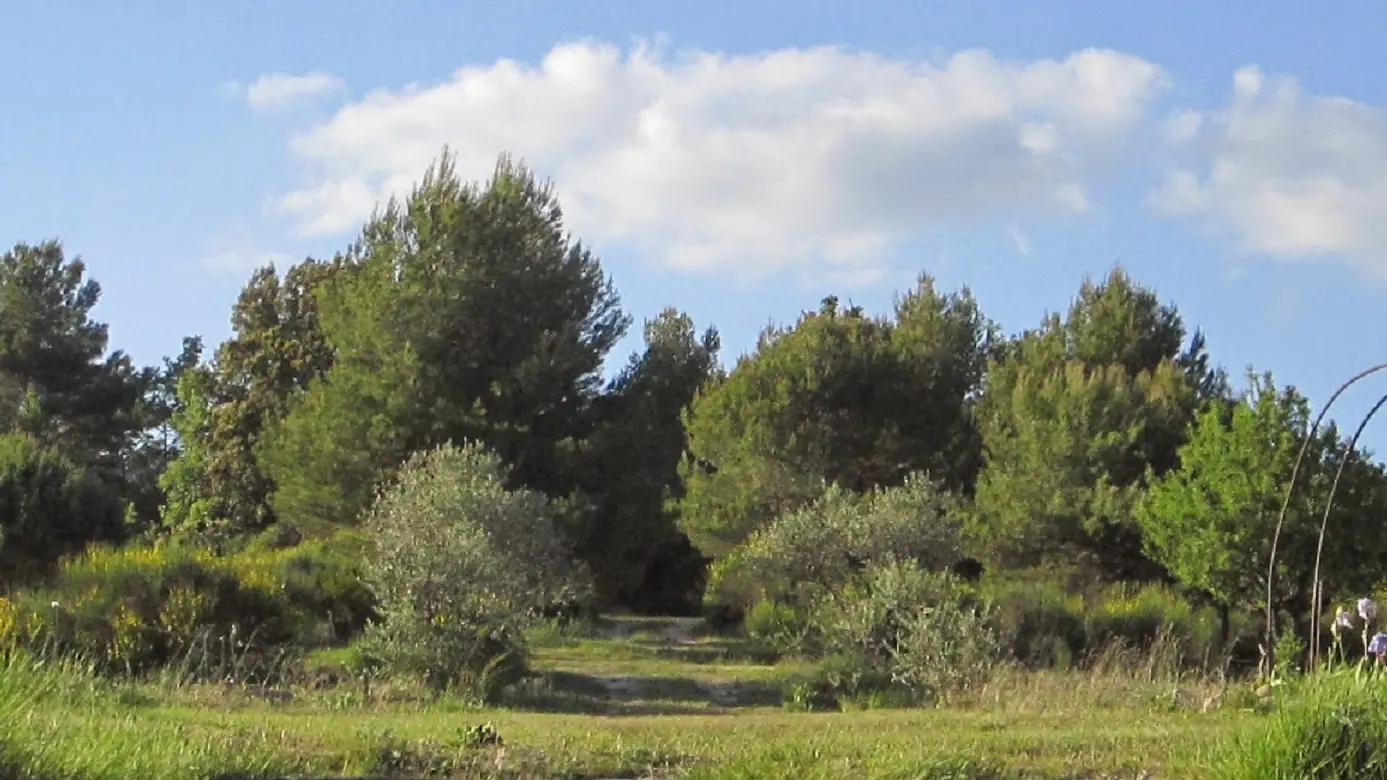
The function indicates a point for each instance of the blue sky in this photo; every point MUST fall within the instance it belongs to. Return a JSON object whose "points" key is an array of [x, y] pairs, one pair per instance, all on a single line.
{"points": [[723, 159]]}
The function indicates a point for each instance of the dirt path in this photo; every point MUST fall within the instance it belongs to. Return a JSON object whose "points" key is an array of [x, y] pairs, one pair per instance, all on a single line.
{"points": [[670, 633], [681, 631]]}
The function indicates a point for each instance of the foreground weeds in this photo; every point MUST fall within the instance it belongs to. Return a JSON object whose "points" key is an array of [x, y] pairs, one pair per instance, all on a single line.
{"points": [[60, 721], [1329, 727], [627, 701]]}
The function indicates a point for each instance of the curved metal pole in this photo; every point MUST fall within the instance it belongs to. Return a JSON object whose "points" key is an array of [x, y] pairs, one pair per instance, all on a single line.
{"points": [[1349, 452], [1270, 646]]}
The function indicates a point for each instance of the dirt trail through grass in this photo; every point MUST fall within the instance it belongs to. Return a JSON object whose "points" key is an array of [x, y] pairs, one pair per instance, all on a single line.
{"points": [[638, 698], [649, 664], [660, 677]]}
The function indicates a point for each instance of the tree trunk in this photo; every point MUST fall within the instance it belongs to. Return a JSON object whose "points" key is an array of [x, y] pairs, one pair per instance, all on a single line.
{"points": [[1224, 627]]}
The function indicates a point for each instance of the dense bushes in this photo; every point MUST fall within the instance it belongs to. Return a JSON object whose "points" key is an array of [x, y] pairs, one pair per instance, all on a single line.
{"points": [[895, 629], [451, 568], [1050, 626], [138, 607], [919, 632], [460, 565], [859, 580], [49, 508], [803, 554]]}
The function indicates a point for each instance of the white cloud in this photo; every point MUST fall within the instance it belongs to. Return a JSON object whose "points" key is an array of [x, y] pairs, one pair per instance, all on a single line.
{"points": [[753, 163], [240, 262], [276, 90], [1019, 239], [1290, 176], [850, 277], [1183, 126]]}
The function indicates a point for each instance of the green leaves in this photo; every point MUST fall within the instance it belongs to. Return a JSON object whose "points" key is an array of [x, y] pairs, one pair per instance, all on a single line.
{"points": [[223, 410], [56, 380], [460, 563], [49, 507], [840, 398], [1210, 522], [818, 548], [462, 313], [625, 527], [1073, 419]]}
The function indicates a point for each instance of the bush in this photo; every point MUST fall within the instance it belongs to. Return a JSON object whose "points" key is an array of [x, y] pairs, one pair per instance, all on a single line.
{"points": [[839, 679], [461, 565], [1332, 727], [1145, 617], [922, 631], [951, 647], [49, 508], [803, 553], [784, 627], [140, 607], [1050, 627], [1046, 625]]}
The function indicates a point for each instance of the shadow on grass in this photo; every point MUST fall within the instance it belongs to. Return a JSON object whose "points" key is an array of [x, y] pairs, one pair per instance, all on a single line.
{"points": [[574, 693], [715, 651], [10, 769]]}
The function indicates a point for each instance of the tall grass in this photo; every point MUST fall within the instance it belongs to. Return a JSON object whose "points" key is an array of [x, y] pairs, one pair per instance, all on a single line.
{"points": [[1331, 726], [59, 721]]}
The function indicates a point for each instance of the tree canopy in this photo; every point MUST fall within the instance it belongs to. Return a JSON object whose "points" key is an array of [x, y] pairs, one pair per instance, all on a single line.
{"points": [[842, 398], [1210, 522], [465, 321]]}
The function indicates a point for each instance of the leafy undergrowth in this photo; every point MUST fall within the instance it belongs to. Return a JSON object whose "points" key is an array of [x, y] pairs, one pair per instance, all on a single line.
{"points": [[62, 723], [1333, 727]]}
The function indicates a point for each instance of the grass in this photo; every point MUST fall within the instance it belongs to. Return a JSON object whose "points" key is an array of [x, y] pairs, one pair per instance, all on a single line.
{"points": [[1333, 727], [637, 699]]}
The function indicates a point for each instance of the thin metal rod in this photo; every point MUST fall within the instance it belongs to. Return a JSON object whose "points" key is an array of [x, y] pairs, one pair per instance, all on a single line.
{"points": [[1270, 647], [1349, 452]]}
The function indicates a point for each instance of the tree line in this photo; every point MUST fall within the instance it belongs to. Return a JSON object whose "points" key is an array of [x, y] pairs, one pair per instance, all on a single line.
{"points": [[1104, 444]]}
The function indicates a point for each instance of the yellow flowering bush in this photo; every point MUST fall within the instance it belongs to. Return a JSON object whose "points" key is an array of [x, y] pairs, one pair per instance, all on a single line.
{"points": [[9, 623], [185, 610], [138, 607], [130, 640]]}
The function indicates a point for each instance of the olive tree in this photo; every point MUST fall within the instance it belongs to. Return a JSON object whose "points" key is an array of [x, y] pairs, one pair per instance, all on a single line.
{"points": [[460, 565], [807, 551], [900, 626]]}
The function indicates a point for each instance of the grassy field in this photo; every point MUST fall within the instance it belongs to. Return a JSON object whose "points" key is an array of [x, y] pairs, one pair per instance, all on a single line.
{"points": [[646, 699]]}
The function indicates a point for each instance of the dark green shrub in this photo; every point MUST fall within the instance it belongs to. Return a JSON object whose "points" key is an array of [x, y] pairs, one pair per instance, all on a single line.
{"points": [[784, 627], [325, 583], [839, 678], [723, 617], [1051, 627], [140, 607], [1045, 624], [1140, 618], [49, 508], [912, 631]]}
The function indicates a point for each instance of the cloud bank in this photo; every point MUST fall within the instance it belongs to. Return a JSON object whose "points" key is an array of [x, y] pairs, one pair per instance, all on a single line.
{"points": [[1289, 176], [753, 163], [828, 157]]}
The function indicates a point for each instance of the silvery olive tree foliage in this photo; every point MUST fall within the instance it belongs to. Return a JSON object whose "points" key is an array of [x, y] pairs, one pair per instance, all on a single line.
{"points": [[860, 578], [461, 564], [922, 630], [806, 552]]}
